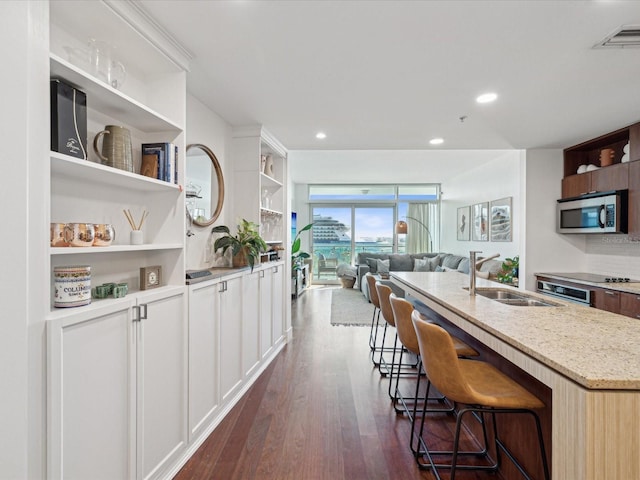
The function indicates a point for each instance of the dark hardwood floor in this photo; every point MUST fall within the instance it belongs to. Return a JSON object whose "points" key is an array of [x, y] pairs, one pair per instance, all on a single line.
{"points": [[319, 411]]}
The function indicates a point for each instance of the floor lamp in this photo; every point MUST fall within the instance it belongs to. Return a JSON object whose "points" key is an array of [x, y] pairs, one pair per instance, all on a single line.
{"points": [[402, 228]]}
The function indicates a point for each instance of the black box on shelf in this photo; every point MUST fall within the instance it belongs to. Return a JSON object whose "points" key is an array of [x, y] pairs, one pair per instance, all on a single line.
{"points": [[68, 119]]}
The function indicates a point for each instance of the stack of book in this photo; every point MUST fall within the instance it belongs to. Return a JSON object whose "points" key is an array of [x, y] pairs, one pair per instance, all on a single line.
{"points": [[160, 160]]}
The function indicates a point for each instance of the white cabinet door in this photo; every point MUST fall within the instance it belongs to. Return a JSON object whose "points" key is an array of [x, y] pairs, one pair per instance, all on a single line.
{"points": [[266, 311], [91, 393], [162, 381], [231, 303], [204, 306], [250, 322], [277, 311]]}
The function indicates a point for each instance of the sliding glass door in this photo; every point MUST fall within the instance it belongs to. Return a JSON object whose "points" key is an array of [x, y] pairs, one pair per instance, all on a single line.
{"points": [[341, 232]]}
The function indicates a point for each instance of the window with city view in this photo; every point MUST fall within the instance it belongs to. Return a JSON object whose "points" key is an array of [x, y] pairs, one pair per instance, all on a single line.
{"points": [[349, 219]]}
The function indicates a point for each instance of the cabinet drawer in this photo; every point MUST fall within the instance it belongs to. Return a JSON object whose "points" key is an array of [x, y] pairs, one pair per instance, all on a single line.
{"points": [[630, 305], [608, 300]]}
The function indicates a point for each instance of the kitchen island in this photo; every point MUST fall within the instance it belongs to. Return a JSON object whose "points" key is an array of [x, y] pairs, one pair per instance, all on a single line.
{"points": [[589, 359]]}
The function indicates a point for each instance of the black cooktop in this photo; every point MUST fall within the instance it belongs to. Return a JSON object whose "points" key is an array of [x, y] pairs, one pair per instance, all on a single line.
{"points": [[595, 278]]}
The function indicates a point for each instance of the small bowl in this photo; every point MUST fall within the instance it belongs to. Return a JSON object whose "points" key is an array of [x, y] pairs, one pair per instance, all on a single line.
{"points": [[591, 167], [582, 168]]}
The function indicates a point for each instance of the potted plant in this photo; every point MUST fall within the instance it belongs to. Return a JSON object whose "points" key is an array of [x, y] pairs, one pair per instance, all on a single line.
{"points": [[297, 255], [245, 246], [509, 271]]}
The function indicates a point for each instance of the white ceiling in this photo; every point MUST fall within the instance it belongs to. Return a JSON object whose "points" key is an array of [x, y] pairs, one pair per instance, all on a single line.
{"points": [[393, 74]]}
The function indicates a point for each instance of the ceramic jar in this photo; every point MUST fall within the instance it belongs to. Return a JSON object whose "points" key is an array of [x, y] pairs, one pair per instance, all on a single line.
{"points": [[72, 286]]}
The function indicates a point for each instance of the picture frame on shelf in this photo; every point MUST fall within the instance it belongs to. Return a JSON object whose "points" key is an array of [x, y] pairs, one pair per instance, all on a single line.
{"points": [[150, 277], [480, 222], [501, 220], [463, 225]]}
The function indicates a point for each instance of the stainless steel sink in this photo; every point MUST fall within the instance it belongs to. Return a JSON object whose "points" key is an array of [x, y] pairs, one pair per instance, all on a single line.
{"points": [[516, 299]]}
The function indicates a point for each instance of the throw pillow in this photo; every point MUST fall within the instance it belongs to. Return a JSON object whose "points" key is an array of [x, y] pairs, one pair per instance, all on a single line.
{"points": [[421, 265], [373, 265], [451, 261], [447, 269], [382, 266], [433, 263], [400, 263], [463, 266], [439, 269]]}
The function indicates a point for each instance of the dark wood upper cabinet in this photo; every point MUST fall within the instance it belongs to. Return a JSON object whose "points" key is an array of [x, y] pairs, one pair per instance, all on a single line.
{"points": [[575, 185], [614, 177], [634, 200]]}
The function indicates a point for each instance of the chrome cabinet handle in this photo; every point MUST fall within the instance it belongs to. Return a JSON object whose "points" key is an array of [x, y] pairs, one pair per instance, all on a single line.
{"points": [[609, 292], [136, 313]]}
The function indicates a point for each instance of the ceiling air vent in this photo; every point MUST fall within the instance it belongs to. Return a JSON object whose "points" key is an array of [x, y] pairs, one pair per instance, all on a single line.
{"points": [[624, 37]]}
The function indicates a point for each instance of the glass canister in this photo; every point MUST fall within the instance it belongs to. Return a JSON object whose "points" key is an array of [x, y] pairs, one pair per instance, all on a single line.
{"points": [[72, 286]]}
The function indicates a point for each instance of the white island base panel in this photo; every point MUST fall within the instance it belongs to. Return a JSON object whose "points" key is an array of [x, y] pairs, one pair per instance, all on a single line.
{"points": [[595, 432]]}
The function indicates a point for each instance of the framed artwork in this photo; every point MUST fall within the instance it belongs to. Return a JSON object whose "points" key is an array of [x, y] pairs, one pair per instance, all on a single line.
{"points": [[480, 222], [500, 214], [463, 225]]}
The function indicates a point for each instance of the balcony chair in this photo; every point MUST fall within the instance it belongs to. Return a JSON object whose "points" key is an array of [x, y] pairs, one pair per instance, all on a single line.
{"points": [[327, 265]]}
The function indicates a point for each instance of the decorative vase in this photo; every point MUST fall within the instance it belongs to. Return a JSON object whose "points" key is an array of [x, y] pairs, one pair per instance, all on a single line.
{"points": [[268, 166]]}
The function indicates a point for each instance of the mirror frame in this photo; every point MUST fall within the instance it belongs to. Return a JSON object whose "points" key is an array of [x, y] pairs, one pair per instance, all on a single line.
{"points": [[219, 176]]}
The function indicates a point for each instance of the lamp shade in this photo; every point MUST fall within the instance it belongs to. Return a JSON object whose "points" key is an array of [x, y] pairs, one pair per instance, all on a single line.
{"points": [[401, 226]]}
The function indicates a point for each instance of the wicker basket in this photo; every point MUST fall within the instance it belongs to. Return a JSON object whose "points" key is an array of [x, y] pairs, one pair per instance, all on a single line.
{"points": [[347, 282]]}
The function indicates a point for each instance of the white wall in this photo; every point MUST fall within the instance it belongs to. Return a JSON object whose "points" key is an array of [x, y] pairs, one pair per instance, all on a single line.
{"points": [[208, 128], [546, 250], [493, 180]]}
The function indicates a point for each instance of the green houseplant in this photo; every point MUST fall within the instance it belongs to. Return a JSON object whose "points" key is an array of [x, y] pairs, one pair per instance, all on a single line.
{"points": [[509, 270], [245, 246], [298, 255]]}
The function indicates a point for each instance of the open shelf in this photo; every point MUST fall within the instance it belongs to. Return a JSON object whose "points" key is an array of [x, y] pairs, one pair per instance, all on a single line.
{"points": [[115, 248], [70, 167], [109, 101]]}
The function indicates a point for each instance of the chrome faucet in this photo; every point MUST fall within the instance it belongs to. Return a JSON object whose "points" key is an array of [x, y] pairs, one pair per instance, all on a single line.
{"points": [[473, 265], [472, 271]]}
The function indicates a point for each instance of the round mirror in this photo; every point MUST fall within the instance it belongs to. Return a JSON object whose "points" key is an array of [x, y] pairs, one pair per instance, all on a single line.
{"points": [[204, 185]]}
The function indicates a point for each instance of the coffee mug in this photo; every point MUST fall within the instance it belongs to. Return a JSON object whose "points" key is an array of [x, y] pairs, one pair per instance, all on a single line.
{"points": [[104, 236], [79, 234], [57, 235], [101, 291]]}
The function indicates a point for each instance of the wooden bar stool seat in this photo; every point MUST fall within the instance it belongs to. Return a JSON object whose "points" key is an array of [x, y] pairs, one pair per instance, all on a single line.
{"points": [[480, 387]]}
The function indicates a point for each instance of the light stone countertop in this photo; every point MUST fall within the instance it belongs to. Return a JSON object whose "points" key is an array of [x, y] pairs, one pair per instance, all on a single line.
{"points": [[594, 348]]}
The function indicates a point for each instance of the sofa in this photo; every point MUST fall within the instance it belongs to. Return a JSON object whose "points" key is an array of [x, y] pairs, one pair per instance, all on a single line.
{"points": [[375, 263]]}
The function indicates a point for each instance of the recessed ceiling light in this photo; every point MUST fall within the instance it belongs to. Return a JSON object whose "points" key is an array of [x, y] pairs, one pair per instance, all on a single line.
{"points": [[486, 98], [436, 141], [321, 135]]}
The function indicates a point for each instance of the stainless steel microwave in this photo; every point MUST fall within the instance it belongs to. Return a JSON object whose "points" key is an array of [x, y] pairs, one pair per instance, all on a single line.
{"points": [[600, 212]]}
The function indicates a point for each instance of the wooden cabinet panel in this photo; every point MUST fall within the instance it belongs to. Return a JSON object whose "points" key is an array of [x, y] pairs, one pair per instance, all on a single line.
{"points": [[614, 177], [634, 199], [630, 304], [575, 185], [608, 300]]}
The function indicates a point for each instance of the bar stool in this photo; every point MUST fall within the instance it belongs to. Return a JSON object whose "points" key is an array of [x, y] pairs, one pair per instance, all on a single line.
{"points": [[384, 294], [402, 312], [375, 319], [478, 385]]}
